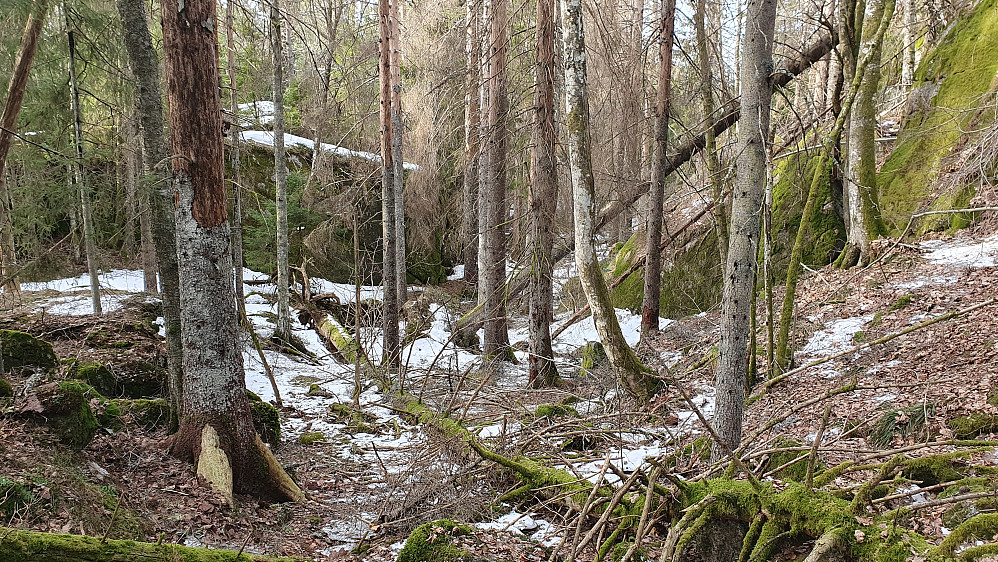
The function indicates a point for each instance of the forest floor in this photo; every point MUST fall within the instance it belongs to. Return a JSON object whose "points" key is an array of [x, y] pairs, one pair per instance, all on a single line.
{"points": [[371, 481]]}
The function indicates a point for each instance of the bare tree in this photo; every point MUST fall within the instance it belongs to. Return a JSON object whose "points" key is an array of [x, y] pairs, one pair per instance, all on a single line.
{"points": [[471, 141], [8, 121], [216, 429], [389, 232], [750, 181], [543, 201], [395, 53], [237, 207], [634, 376], [660, 160], [710, 145], [283, 331]]}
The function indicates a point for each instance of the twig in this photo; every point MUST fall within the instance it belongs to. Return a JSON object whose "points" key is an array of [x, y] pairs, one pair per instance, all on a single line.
{"points": [[245, 542], [812, 460], [111, 523]]}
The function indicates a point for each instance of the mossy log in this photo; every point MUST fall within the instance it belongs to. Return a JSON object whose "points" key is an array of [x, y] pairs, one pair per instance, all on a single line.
{"points": [[33, 546]]}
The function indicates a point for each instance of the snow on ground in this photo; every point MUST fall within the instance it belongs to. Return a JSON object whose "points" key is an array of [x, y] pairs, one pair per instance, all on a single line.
{"points": [[584, 331], [266, 138], [963, 253], [837, 336], [116, 286], [525, 524], [458, 273]]}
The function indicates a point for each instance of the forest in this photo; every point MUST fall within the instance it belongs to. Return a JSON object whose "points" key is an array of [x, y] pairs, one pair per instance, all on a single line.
{"points": [[483, 280]]}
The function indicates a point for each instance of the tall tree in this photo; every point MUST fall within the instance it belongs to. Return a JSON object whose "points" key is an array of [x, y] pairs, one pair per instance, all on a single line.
{"points": [[80, 175], [398, 175], [216, 429], [8, 122], [494, 210], [659, 174], [750, 181], [234, 154], [471, 141], [710, 145], [156, 192], [389, 268], [283, 331], [543, 202], [634, 376]]}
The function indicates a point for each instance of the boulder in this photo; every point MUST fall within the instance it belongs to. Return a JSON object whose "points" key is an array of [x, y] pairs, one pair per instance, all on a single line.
{"points": [[21, 349]]}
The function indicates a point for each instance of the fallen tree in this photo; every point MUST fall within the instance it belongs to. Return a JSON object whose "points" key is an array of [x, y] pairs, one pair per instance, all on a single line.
{"points": [[32, 546]]}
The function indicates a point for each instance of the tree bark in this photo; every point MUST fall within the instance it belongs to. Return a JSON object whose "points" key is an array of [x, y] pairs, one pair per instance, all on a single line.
{"points": [[659, 175], [8, 122], [750, 180], [392, 351], [216, 429], [80, 176], [492, 190], [283, 331], [129, 135], [472, 141], [397, 130], [633, 375], [237, 181], [543, 201], [159, 221], [711, 160]]}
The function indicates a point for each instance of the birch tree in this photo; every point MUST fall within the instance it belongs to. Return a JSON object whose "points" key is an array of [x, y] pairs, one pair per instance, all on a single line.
{"points": [[634, 376], [216, 430], [659, 175], [283, 331], [543, 201], [756, 66]]}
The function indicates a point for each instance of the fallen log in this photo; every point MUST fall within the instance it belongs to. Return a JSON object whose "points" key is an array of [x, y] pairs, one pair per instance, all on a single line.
{"points": [[33, 546]]}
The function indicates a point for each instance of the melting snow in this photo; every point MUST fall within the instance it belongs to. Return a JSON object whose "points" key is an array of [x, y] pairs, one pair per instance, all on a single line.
{"points": [[961, 253], [266, 138], [837, 336]]}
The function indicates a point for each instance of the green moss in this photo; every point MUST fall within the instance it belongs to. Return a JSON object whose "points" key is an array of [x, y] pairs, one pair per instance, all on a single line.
{"points": [[796, 471], [933, 469], [149, 413], [434, 542], [949, 86], [21, 349], [593, 356], [65, 408], [902, 302], [979, 527], [965, 427], [266, 419], [98, 376], [555, 411], [356, 420], [310, 437], [5, 389], [859, 337]]}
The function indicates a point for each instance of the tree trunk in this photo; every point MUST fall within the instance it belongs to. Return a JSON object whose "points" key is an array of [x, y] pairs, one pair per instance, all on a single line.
{"points": [[633, 375], [389, 268], [492, 191], [750, 180], [216, 429], [80, 176], [8, 122], [660, 161], [147, 247], [129, 136], [908, 41], [471, 142], [710, 145], [543, 201], [860, 189], [159, 221], [397, 130], [237, 181], [283, 331]]}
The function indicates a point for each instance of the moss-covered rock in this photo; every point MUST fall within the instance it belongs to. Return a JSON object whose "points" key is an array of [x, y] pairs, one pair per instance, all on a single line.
{"points": [[593, 356], [148, 413], [65, 408], [5, 389], [555, 411], [435, 542], [97, 375], [131, 379], [21, 349], [266, 419], [310, 437], [965, 427], [796, 471]]}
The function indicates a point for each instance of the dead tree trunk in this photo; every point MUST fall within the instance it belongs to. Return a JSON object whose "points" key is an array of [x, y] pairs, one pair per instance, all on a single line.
{"points": [[8, 122], [80, 176], [149, 105], [392, 351], [660, 158], [397, 129], [750, 180], [543, 200], [633, 375], [216, 429]]}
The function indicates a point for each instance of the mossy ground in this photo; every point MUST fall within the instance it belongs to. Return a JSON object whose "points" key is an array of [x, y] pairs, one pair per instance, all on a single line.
{"points": [[434, 542]]}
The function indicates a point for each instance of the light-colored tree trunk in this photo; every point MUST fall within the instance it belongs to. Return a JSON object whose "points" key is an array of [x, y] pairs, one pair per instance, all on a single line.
{"points": [[710, 146], [159, 223], [471, 141], [283, 331], [659, 173], [908, 34], [80, 176], [216, 429], [543, 200], [147, 247], [234, 154], [397, 129], [634, 376], [492, 190], [389, 269], [860, 188], [746, 204], [8, 121]]}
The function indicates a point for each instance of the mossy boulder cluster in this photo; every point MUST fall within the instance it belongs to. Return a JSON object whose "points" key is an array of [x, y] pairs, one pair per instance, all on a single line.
{"points": [[21, 349], [65, 408], [131, 379]]}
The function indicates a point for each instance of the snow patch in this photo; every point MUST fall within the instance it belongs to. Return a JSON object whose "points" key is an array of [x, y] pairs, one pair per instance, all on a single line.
{"points": [[836, 337], [963, 253], [266, 138]]}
